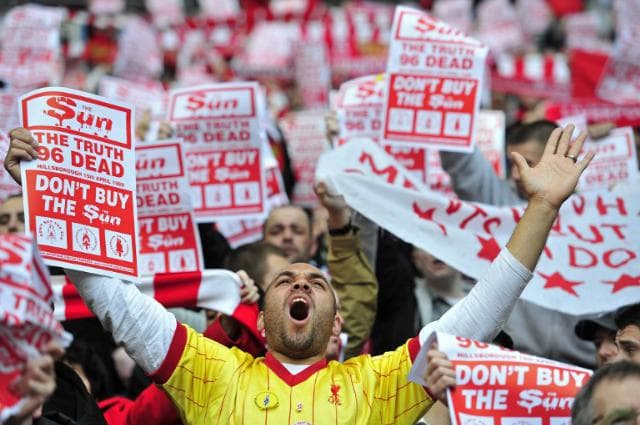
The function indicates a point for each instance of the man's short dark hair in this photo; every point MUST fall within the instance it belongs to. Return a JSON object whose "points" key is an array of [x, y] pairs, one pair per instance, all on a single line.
{"points": [[307, 212], [628, 315], [582, 411], [538, 130], [252, 258]]}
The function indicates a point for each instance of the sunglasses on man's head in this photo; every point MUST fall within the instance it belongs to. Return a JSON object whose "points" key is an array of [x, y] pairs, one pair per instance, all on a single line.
{"points": [[6, 217]]}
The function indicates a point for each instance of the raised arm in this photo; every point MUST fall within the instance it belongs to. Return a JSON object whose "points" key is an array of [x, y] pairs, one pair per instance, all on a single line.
{"points": [[351, 273], [483, 312]]}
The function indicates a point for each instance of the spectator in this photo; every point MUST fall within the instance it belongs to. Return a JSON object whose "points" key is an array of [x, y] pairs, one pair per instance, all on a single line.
{"points": [[438, 287], [610, 397], [628, 337], [602, 332], [289, 228], [298, 318], [12, 215]]}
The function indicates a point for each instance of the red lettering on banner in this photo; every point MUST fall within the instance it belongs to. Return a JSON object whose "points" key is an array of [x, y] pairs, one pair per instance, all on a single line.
{"points": [[367, 89], [604, 208], [597, 236], [609, 260], [64, 109], [391, 172], [478, 211], [573, 257], [616, 229], [198, 101], [578, 208], [428, 215], [454, 206], [487, 224], [517, 215]]}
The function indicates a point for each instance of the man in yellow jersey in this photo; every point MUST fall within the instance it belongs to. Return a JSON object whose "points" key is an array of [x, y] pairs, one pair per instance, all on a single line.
{"points": [[294, 384]]}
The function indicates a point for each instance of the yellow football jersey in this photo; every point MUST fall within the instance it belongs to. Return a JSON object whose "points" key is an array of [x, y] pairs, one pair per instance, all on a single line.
{"points": [[211, 384]]}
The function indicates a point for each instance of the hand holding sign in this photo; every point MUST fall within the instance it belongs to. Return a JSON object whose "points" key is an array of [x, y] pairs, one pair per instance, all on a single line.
{"points": [[22, 148], [555, 177], [36, 383], [339, 211], [440, 374]]}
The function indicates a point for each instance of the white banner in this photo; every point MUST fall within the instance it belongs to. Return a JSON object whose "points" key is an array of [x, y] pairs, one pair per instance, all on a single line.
{"points": [[590, 263]]}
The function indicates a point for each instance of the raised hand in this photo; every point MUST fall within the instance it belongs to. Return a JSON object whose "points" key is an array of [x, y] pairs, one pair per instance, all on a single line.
{"points": [[339, 211], [555, 177], [248, 290], [21, 148]]}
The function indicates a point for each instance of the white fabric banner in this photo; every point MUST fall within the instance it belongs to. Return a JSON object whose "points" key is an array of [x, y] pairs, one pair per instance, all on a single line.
{"points": [[590, 263]]}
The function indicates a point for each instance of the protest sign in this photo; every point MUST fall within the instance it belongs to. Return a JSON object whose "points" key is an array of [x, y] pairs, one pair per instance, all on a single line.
{"points": [[490, 139], [433, 87], [589, 265], [240, 232], [143, 95], [7, 185], [495, 385], [616, 161], [219, 125], [26, 317], [359, 106], [312, 74], [139, 54], [31, 45], [305, 133], [80, 195], [169, 238], [217, 290]]}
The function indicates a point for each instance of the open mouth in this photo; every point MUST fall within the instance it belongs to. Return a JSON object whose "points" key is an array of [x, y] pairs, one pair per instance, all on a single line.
{"points": [[299, 309]]}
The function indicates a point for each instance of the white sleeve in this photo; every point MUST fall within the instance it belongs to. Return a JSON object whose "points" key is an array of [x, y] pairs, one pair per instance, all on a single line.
{"points": [[138, 321], [483, 312]]}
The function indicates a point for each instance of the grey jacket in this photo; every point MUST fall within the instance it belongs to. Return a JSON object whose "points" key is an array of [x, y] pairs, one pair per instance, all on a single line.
{"points": [[534, 329]]}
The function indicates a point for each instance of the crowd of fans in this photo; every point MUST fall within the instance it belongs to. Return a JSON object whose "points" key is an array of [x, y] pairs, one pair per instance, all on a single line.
{"points": [[137, 363]]}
